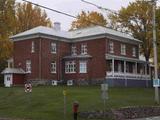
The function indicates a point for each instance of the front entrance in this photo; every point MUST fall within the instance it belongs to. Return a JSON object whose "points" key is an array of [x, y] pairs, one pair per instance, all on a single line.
{"points": [[8, 80]]}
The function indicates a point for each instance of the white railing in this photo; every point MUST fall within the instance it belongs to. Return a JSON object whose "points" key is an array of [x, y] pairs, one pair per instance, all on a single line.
{"points": [[127, 75]]}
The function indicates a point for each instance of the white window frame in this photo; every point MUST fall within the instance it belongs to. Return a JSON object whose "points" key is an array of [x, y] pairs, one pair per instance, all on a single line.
{"points": [[123, 49], [73, 50], [53, 47], [83, 67], [28, 66], [70, 67], [134, 51], [111, 47], [32, 47], [53, 67], [84, 49]]}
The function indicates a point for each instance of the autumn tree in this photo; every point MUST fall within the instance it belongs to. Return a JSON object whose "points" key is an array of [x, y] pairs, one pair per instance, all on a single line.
{"points": [[29, 16], [136, 19], [85, 19], [158, 32], [7, 24]]}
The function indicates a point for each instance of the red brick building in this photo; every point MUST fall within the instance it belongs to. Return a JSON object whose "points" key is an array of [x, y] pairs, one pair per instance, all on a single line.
{"points": [[88, 56]]}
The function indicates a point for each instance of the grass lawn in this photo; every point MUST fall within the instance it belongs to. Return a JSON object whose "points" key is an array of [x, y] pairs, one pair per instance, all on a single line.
{"points": [[46, 103]]}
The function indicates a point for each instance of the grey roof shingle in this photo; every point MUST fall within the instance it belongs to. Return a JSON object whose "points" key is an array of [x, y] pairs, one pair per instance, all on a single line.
{"points": [[80, 33]]}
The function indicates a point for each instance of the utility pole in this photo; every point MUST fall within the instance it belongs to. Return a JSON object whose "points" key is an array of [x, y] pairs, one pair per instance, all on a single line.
{"points": [[155, 51]]}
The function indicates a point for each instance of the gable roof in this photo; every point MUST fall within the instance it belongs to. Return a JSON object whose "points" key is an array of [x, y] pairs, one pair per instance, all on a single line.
{"points": [[13, 71], [75, 34]]}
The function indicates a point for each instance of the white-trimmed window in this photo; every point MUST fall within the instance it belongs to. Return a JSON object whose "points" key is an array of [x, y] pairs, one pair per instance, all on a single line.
{"points": [[53, 47], [123, 49], [111, 47], [70, 67], [134, 52], [28, 66], [83, 67], [32, 47], [53, 67], [84, 49], [73, 50]]}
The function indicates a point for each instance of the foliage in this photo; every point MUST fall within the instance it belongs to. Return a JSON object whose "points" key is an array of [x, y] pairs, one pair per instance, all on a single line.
{"points": [[158, 32], [85, 19], [7, 25], [7, 17], [136, 18], [29, 16]]}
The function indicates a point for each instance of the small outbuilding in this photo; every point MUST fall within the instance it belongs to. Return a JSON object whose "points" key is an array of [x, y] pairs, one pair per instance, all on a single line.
{"points": [[13, 76]]}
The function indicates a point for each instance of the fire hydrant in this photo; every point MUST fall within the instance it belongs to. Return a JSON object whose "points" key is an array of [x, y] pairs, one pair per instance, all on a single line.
{"points": [[75, 109]]}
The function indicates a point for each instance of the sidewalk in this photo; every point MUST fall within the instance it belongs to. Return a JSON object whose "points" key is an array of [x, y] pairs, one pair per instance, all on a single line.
{"points": [[150, 118]]}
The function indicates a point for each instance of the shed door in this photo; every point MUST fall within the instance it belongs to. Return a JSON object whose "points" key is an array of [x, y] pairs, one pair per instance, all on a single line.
{"points": [[8, 80]]}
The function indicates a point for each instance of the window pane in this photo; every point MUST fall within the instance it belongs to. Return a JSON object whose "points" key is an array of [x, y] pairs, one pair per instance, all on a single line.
{"points": [[83, 67]]}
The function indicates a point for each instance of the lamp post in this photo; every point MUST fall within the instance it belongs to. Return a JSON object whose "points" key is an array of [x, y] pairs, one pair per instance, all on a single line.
{"points": [[155, 51]]}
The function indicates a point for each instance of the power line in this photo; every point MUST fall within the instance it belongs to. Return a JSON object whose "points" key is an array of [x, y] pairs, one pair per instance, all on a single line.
{"points": [[50, 9], [99, 7], [63, 13]]}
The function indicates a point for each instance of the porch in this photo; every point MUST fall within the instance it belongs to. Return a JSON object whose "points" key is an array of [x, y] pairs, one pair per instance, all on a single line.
{"points": [[127, 68]]}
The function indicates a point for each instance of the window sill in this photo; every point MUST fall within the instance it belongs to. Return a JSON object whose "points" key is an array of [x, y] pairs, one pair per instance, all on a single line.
{"points": [[53, 72], [70, 72], [82, 72]]}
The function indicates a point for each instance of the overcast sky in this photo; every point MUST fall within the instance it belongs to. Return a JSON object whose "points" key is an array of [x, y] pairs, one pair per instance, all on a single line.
{"points": [[74, 7]]}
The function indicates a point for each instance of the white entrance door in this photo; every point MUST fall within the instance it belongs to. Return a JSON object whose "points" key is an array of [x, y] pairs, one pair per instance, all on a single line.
{"points": [[8, 80]]}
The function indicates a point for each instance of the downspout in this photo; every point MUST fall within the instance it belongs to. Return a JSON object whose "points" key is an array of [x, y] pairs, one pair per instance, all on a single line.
{"points": [[40, 59]]}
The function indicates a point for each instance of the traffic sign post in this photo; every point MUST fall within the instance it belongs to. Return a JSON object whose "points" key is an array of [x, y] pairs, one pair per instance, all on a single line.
{"points": [[64, 94], [28, 90], [104, 95]]}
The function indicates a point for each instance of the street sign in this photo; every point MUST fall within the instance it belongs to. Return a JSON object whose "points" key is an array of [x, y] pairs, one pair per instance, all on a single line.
{"points": [[104, 87], [156, 82], [28, 88]]}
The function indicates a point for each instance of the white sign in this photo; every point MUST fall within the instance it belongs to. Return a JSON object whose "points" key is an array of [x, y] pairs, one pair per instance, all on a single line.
{"points": [[28, 88], [156, 83], [104, 87]]}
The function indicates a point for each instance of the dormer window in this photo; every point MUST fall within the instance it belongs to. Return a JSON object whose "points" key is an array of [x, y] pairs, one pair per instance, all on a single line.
{"points": [[123, 49], [84, 49], [134, 52], [73, 50], [53, 47], [111, 47], [32, 47]]}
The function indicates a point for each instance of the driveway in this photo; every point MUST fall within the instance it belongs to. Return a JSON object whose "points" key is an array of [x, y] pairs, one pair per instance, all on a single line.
{"points": [[150, 118]]}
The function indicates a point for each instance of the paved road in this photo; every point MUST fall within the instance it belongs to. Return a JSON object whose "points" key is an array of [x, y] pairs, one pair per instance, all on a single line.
{"points": [[150, 118]]}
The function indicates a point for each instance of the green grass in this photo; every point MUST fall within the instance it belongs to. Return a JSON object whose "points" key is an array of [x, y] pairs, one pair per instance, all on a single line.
{"points": [[46, 103]]}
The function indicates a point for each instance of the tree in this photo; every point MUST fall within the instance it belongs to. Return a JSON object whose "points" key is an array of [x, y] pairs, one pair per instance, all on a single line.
{"points": [[137, 20], [29, 16], [85, 19], [158, 32], [7, 17], [7, 22]]}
